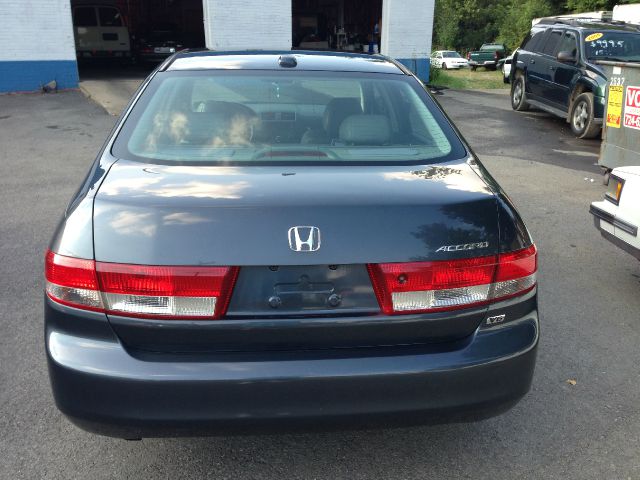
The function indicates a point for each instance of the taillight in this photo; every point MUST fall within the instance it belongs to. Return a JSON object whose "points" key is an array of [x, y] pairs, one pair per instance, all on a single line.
{"points": [[452, 284], [496, 55], [614, 190], [139, 290], [72, 281]]}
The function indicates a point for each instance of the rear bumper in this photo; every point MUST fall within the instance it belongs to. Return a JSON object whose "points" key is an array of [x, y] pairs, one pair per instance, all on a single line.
{"points": [[483, 63], [105, 389], [116, 53], [617, 231]]}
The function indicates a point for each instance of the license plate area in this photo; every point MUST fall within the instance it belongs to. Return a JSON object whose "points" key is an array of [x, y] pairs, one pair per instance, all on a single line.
{"points": [[291, 291]]}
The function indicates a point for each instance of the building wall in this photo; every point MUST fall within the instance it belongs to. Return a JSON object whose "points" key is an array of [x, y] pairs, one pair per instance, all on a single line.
{"points": [[38, 45], [407, 27], [247, 24]]}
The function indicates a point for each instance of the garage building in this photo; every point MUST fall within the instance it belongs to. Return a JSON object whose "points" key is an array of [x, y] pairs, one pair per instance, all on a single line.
{"points": [[42, 44]]}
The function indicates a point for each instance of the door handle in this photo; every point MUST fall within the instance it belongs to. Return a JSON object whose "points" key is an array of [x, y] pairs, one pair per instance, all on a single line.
{"points": [[532, 61], [552, 68]]}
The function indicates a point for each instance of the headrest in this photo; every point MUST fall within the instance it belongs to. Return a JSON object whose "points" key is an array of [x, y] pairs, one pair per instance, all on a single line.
{"points": [[336, 111], [365, 130]]}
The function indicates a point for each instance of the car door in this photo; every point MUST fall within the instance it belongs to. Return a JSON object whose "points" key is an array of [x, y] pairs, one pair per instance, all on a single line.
{"points": [[546, 67], [531, 60], [565, 73]]}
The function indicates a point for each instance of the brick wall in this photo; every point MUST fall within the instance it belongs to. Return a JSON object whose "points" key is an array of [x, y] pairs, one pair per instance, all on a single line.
{"points": [[38, 45], [407, 27], [36, 30], [247, 24]]}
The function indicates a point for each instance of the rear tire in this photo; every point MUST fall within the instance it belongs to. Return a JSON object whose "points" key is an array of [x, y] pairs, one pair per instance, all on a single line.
{"points": [[519, 95], [583, 125], [473, 68]]}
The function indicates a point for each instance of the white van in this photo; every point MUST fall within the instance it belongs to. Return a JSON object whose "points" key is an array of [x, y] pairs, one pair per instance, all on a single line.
{"points": [[100, 31]]}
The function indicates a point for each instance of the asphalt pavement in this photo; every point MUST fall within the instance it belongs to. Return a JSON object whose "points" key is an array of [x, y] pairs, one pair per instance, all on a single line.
{"points": [[589, 302]]}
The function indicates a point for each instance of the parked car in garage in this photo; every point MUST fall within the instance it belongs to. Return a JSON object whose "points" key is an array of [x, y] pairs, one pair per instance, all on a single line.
{"points": [[618, 215], [272, 241], [555, 69], [100, 32], [448, 59], [488, 56], [157, 45]]}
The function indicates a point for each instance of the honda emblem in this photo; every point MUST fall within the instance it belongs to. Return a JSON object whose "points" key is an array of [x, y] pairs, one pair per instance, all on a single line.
{"points": [[304, 239]]}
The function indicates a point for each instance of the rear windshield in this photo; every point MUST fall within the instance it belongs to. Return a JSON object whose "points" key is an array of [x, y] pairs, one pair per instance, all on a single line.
{"points": [[451, 55], [85, 17], [228, 116], [612, 45], [109, 17]]}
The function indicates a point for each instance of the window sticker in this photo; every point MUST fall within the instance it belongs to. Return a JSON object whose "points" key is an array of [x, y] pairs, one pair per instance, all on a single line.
{"points": [[593, 36], [614, 103]]}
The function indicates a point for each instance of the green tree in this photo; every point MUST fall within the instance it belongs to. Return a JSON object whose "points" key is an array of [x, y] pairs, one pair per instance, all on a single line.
{"points": [[466, 24], [446, 27], [516, 22]]}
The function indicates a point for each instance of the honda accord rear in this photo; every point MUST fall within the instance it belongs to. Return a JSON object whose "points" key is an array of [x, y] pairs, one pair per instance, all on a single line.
{"points": [[275, 242]]}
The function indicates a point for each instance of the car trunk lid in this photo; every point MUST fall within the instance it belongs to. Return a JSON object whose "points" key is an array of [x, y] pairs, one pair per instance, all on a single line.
{"points": [[285, 299]]}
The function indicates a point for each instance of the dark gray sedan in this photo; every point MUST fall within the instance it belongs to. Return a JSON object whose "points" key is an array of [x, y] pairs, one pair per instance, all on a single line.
{"points": [[271, 242]]}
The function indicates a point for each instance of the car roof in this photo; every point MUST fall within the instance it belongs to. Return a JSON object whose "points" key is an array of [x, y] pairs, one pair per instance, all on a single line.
{"points": [[269, 60], [587, 24]]}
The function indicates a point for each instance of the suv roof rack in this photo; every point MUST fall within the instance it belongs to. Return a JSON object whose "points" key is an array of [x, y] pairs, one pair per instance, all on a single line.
{"points": [[577, 21]]}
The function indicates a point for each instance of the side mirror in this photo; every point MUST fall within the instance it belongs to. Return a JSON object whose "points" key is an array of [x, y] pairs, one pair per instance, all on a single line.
{"points": [[566, 57]]}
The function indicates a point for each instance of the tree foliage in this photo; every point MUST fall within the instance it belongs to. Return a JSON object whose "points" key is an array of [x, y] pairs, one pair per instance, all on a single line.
{"points": [[464, 25], [517, 19]]}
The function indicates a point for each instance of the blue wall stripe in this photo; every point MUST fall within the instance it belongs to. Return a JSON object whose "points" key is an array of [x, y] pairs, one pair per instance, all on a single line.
{"points": [[419, 66], [30, 75]]}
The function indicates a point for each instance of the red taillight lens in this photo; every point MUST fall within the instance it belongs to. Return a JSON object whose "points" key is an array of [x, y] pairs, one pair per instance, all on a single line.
{"points": [[72, 281], [185, 292], [454, 284], [140, 290], [518, 264]]}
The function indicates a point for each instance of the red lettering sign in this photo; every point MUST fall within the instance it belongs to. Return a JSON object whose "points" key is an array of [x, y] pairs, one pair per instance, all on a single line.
{"points": [[632, 108]]}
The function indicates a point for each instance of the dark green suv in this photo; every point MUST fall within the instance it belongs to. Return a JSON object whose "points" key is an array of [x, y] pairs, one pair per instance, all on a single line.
{"points": [[555, 69]]}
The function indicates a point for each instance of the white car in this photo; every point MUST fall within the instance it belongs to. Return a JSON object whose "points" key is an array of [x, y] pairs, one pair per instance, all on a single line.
{"points": [[448, 59], [506, 68], [618, 215]]}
